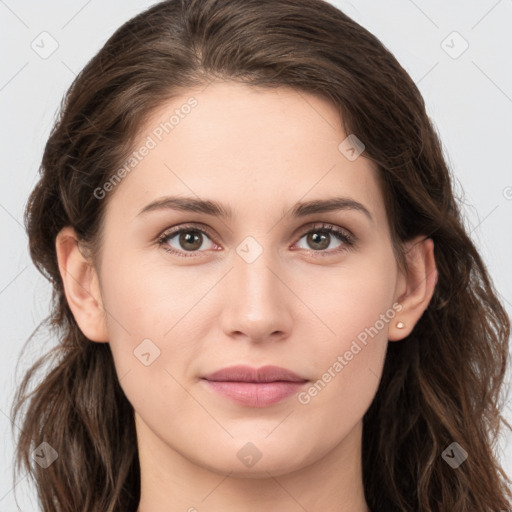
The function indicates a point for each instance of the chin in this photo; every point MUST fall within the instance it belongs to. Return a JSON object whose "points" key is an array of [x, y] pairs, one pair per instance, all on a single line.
{"points": [[247, 460]]}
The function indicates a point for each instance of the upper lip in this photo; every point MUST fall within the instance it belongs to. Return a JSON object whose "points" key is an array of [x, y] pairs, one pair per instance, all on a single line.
{"points": [[242, 373]]}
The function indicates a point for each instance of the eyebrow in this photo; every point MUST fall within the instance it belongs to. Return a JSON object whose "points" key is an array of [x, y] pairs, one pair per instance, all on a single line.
{"points": [[215, 209]]}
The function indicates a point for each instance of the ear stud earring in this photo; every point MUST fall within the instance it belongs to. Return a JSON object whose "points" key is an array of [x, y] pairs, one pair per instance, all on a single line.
{"points": [[400, 325]]}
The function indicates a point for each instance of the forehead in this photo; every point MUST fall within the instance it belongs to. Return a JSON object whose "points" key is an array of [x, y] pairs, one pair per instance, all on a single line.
{"points": [[245, 146]]}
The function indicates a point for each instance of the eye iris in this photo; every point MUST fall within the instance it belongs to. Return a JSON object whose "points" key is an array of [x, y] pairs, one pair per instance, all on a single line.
{"points": [[315, 238], [191, 237]]}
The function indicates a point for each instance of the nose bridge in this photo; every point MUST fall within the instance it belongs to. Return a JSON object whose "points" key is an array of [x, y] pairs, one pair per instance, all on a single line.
{"points": [[252, 271], [255, 305]]}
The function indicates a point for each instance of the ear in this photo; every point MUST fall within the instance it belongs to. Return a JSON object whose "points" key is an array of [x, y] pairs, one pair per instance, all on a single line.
{"points": [[415, 289], [81, 286]]}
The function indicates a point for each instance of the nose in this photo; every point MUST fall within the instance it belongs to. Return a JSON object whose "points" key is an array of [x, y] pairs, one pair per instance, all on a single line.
{"points": [[256, 301]]}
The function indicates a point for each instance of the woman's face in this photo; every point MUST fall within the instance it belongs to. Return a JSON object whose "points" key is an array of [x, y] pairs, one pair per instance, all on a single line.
{"points": [[264, 286]]}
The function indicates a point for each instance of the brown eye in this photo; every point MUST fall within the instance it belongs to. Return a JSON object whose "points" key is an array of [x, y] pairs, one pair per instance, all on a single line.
{"points": [[319, 238], [183, 240], [318, 241], [190, 240]]}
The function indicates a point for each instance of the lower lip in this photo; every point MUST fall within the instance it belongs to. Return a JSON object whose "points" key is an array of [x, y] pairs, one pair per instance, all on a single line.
{"points": [[255, 394]]}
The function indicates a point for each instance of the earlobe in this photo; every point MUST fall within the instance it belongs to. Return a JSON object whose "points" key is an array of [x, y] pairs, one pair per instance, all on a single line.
{"points": [[417, 287], [81, 286]]}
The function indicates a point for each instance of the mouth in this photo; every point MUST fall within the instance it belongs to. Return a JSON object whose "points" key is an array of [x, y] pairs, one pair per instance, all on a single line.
{"points": [[255, 387]]}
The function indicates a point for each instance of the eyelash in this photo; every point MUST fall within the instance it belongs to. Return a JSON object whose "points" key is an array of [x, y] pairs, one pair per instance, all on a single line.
{"points": [[342, 235]]}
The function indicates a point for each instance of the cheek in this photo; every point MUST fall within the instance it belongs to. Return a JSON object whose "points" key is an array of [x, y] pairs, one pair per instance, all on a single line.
{"points": [[152, 318], [142, 310], [355, 297], [141, 300], [348, 360]]}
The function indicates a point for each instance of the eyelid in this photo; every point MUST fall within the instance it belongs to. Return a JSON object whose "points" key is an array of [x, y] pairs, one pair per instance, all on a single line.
{"points": [[184, 227]]}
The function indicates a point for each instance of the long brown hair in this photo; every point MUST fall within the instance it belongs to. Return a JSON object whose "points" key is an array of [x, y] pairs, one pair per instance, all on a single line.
{"points": [[440, 385]]}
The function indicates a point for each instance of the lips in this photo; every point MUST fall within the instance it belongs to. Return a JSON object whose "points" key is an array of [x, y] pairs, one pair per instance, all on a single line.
{"points": [[243, 373], [254, 387]]}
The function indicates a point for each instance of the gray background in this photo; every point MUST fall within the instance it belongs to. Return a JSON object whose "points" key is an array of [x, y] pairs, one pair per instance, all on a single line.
{"points": [[468, 96]]}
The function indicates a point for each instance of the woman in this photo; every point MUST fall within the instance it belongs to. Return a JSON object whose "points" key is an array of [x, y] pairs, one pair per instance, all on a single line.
{"points": [[241, 205]]}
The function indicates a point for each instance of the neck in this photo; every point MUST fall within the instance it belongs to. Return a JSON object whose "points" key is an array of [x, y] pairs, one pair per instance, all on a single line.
{"points": [[171, 482]]}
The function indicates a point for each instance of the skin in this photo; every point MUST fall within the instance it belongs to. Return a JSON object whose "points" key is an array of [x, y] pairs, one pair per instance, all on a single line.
{"points": [[257, 151]]}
